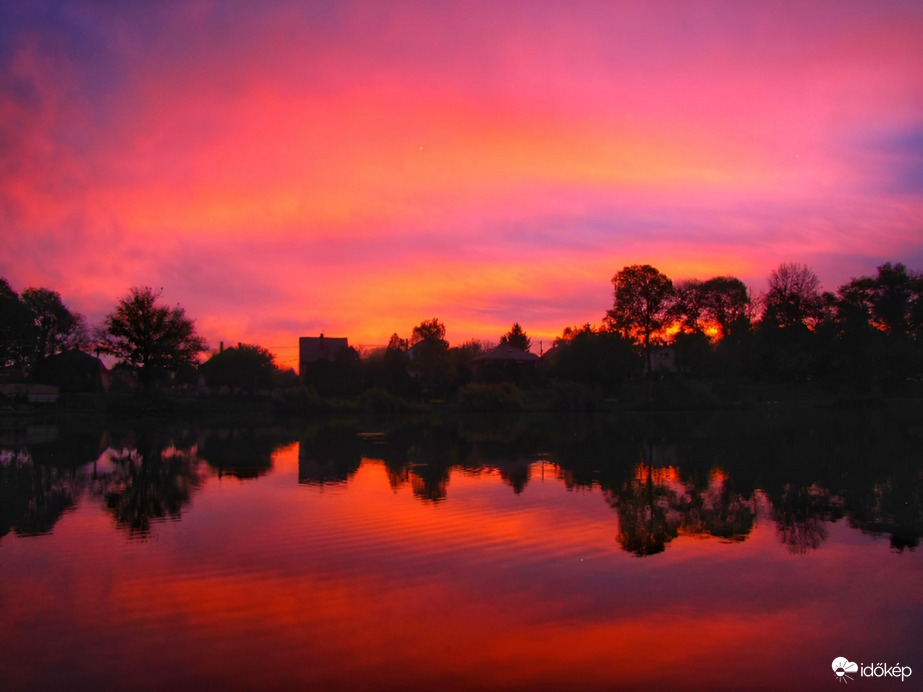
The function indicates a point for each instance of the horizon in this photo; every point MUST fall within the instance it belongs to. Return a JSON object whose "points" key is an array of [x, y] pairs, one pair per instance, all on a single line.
{"points": [[353, 169]]}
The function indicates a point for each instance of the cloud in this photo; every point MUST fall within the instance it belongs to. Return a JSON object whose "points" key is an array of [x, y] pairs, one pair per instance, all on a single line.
{"points": [[365, 165]]}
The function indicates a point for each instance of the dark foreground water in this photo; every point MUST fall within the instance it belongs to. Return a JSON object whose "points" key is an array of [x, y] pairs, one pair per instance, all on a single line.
{"points": [[672, 552]]}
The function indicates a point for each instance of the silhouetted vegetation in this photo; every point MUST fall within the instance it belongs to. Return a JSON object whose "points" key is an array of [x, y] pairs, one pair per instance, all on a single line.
{"points": [[641, 308], [517, 338], [664, 476], [152, 338], [695, 343], [35, 326], [246, 367]]}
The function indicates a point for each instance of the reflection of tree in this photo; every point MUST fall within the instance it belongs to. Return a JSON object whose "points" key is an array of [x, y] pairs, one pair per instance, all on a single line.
{"points": [[801, 515], [646, 509], [327, 456], [424, 455], [33, 497], [429, 481], [151, 480], [398, 474], [515, 472], [719, 511], [239, 452], [894, 506]]}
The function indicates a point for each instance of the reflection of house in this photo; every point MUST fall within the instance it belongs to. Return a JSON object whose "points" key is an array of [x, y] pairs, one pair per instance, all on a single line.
{"points": [[314, 348]]}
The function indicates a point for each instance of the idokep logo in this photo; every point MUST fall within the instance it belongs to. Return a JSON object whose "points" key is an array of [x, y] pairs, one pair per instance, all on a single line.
{"points": [[843, 666]]}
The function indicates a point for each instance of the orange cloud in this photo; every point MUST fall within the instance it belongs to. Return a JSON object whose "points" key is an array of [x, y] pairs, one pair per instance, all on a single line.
{"points": [[363, 168]]}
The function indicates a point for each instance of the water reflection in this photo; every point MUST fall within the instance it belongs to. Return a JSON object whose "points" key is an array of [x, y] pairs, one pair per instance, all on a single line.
{"points": [[239, 452], [545, 553], [663, 477], [32, 496], [327, 456]]}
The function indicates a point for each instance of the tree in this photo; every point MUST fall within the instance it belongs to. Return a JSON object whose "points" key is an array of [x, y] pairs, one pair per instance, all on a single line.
{"points": [[151, 337], [879, 320], [396, 343], [17, 330], [687, 306], [430, 332], [57, 329], [725, 302], [248, 367], [429, 350], [891, 301], [387, 368], [641, 305], [517, 338], [600, 359], [794, 297]]}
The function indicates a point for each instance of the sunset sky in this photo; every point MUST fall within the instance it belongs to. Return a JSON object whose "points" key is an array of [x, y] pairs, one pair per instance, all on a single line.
{"points": [[286, 168]]}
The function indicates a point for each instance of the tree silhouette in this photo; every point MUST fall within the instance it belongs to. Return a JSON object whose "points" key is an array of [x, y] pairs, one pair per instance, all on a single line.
{"points": [[56, 327], [793, 298], [725, 302], [594, 358], [17, 329], [517, 338], [151, 337], [891, 302], [429, 352], [687, 307], [641, 304], [248, 367]]}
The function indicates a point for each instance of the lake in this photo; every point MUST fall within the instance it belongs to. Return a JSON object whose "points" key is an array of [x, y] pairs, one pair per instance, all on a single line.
{"points": [[720, 551]]}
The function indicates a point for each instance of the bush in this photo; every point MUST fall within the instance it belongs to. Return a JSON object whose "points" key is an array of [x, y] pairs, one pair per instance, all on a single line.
{"points": [[490, 398], [379, 401], [298, 400], [678, 394], [574, 396]]}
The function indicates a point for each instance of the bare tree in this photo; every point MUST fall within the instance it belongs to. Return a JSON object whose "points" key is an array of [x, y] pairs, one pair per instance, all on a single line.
{"points": [[794, 296]]}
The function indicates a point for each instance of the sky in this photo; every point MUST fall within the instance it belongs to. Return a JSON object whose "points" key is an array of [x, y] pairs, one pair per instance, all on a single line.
{"points": [[282, 169]]}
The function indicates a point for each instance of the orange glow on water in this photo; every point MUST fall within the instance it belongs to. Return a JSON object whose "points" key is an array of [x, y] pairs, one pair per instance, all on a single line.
{"points": [[366, 584]]}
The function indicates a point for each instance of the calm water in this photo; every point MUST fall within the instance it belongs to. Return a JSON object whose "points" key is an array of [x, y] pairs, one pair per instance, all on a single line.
{"points": [[720, 552]]}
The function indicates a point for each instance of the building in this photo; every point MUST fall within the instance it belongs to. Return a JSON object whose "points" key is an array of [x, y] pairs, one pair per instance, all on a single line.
{"points": [[663, 359], [505, 354], [312, 349], [504, 363]]}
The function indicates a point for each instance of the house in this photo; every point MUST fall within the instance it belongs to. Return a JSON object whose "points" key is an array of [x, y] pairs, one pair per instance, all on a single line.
{"points": [[72, 371], [314, 348], [505, 354], [31, 393], [503, 362], [663, 359]]}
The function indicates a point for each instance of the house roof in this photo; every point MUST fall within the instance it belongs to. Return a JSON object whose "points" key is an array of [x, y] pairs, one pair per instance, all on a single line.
{"points": [[313, 348], [506, 353]]}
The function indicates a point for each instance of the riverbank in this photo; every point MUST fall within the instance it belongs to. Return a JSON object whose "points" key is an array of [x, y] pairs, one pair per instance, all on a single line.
{"points": [[675, 394]]}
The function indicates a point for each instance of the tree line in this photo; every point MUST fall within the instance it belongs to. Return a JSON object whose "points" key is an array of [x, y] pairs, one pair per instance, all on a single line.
{"points": [[866, 334]]}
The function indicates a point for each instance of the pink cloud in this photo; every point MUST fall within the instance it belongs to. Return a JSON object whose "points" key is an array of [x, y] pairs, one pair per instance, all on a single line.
{"points": [[364, 167]]}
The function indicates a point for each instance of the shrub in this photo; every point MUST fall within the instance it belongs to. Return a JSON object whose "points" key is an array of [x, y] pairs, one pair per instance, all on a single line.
{"points": [[490, 398], [298, 400], [379, 401]]}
